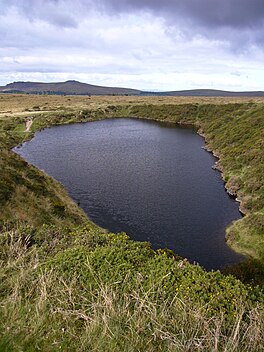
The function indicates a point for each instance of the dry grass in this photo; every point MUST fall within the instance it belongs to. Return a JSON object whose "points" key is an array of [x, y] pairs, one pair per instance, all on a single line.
{"points": [[26, 104]]}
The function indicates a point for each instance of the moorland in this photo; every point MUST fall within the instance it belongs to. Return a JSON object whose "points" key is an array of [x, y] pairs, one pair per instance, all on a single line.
{"points": [[67, 284]]}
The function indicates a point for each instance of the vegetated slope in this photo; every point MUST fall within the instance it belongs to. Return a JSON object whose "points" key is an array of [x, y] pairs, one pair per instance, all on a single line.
{"points": [[68, 87], [83, 290], [79, 288]]}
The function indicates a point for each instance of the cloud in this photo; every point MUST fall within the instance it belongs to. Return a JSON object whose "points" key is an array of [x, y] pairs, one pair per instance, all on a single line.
{"points": [[210, 13], [238, 22], [55, 12], [169, 44], [236, 14]]}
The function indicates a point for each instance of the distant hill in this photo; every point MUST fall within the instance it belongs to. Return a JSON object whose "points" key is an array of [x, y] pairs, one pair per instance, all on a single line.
{"points": [[68, 87], [79, 88], [211, 93]]}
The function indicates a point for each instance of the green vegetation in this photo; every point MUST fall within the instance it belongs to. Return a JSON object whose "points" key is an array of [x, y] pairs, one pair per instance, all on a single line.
{"points": [[66, 284], [85, 290]]}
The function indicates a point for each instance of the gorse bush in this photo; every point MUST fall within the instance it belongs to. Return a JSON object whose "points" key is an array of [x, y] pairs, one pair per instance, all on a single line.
{"points": [[115, 294]]}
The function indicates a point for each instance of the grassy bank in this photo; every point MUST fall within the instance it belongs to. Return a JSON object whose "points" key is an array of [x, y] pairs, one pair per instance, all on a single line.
{"points": [[68, 285]]}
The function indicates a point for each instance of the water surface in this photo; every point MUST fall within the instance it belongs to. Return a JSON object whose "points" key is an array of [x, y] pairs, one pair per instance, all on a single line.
{"points": [[152, 181]]}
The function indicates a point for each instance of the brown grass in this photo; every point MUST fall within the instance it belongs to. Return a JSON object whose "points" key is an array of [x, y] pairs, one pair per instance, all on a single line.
{"points": [[27, 104]]}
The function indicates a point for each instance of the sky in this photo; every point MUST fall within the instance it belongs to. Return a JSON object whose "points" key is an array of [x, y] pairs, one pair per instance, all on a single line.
{"points": [[144, 44]]}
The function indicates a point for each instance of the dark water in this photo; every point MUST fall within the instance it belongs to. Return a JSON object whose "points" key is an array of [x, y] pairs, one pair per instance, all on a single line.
{"points": [[156, 183]]}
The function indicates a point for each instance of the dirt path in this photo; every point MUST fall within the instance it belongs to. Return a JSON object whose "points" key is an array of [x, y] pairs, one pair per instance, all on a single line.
{"points": [[29, 122]]}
